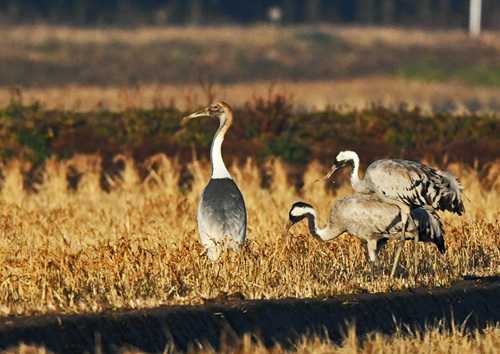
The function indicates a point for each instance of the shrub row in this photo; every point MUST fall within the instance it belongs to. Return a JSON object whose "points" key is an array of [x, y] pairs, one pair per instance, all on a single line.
{"points": [[262, 129]]}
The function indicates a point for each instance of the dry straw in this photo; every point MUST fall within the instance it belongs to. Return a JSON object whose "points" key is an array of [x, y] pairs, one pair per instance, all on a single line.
{"points": [[137, 246]]}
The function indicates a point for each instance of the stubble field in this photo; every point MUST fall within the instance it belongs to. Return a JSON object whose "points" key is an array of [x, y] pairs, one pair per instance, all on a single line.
{"points": [[66, 250], [137, 246]]}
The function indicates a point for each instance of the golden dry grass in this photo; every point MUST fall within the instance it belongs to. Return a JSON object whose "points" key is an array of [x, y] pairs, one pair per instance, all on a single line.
{"points": [[137, 246], [343, 95], [258, 36], [34, 43]]}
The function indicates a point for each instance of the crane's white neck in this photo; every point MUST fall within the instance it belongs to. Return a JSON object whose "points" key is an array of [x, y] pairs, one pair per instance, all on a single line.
{"points": [[356, 183], [219, 169]]}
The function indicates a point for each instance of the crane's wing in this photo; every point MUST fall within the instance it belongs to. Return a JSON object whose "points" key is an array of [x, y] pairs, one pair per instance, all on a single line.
{"points": [[222, 212], [415, 184]]}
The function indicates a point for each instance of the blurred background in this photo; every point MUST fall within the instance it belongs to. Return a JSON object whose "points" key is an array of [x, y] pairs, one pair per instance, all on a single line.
{"points": [[306, 78], [345, 53], [128, 13]]}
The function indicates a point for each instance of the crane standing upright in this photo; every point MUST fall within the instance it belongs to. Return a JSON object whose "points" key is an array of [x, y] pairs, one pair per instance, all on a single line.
{"points": [[222, 217]]}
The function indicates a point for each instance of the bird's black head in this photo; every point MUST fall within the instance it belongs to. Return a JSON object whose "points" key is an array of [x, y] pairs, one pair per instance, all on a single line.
{"points": [[341, 163], [345, 158], [299, 211]]}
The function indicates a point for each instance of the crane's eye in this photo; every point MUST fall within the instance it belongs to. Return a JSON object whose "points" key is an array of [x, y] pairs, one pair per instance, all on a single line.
{"points": [[215, 108]]}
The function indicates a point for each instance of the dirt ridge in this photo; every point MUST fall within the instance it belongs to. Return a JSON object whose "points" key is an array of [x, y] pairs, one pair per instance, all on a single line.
{"points": [[472, 302]]}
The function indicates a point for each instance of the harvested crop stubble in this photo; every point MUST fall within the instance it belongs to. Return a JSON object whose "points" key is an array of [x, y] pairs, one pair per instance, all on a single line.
{"points": [[137, 246]]}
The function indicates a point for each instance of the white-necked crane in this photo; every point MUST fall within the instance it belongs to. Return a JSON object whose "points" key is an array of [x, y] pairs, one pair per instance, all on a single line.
{"points": [[371, 219], [407, 184], [221, 211]]}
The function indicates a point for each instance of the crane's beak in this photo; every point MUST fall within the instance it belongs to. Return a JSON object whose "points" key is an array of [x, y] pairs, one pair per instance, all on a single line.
{"points": [[203, 113], [331, 172], [287, 227]]}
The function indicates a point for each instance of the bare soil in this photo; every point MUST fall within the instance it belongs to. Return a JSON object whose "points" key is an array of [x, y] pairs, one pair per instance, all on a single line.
{"points": [[472, 302]]}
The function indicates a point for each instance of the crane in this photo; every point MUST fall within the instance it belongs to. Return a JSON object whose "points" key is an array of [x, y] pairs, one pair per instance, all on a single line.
{"points": [[407, 184], [370, 219], [221, 210]]}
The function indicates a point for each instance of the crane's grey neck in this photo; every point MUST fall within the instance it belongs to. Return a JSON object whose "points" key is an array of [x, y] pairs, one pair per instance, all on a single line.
{"points": [[359, 185], [219, 169], [326, 234]]}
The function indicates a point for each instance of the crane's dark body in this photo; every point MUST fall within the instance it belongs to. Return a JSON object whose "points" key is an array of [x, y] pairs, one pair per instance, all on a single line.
{"points": [[221, 214]]}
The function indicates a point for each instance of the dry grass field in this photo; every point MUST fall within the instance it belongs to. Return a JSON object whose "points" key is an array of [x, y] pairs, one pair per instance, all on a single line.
{"points": [[441, 339], [137, 246], [342, 94]]}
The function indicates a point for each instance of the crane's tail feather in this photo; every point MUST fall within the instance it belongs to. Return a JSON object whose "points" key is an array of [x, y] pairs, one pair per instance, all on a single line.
{"points": [[451, 198], [430, 227]]}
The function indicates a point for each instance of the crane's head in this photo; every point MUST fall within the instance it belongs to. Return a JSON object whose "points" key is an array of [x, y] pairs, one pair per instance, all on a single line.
{"points": [[219, 110], [299, 211], [343, 159]]}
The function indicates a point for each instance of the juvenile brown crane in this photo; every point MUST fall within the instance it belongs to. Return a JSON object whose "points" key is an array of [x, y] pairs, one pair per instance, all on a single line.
{"points": [[408, 185], [371, 219], [221, 211]]}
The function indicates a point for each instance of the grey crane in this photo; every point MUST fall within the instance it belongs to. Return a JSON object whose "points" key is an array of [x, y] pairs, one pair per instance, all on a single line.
{"points": [[407, 184], [371, 219], [221, 211]]}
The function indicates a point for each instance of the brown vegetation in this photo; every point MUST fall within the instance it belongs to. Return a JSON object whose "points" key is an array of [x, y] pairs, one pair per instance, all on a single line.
{"points": [[263, 129], [440, 340]]}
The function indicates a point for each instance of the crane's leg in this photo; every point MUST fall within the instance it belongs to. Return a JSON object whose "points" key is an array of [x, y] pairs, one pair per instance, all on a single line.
{"points": [[415, 231], [404, 220], [377, 268], [371, 245]]}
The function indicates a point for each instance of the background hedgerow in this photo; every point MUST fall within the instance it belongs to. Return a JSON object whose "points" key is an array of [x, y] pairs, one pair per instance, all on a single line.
{"points": [[265, 128]]}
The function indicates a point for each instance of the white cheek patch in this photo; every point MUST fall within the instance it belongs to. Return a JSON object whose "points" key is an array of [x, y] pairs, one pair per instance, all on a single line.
{"points": [[340, 157], [298, 211], [345, 155]]}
